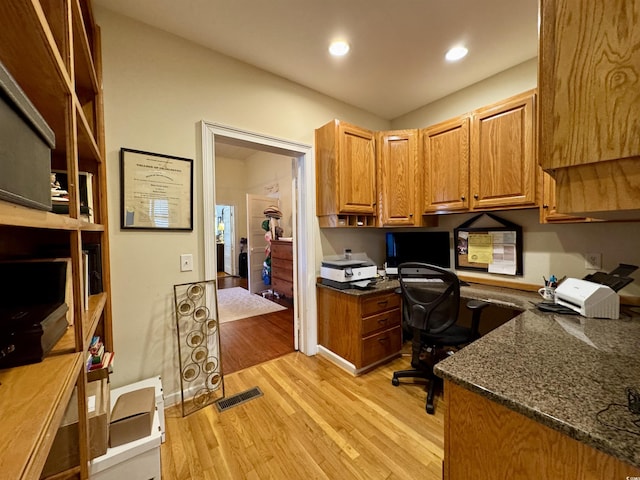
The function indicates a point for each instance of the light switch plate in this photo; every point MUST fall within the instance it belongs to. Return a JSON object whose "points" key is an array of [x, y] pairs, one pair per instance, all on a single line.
{"points": [[186, 262]]}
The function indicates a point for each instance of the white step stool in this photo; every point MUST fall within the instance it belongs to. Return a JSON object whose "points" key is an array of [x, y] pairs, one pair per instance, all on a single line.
{"points": [[140, 459]]}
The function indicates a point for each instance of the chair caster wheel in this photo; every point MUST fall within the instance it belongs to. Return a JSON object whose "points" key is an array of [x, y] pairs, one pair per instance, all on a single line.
{"points": [[395, 382], [430, 409]]}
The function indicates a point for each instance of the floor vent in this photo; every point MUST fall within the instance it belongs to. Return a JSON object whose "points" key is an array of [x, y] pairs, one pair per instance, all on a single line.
{"points": [[238, 399]]}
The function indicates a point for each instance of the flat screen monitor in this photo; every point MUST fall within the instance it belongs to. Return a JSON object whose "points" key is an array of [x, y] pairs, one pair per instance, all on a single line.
{"points": [[425, 247]]}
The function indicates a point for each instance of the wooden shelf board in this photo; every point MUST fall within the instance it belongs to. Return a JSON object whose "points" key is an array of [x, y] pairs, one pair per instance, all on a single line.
{"points": [[31, 410], [87, 146], [86, 78], [19, 216], [29, 51], [90, 318]]}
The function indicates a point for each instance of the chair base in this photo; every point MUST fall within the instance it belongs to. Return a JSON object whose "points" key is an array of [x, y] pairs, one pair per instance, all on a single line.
{"points": [[395, 381]]}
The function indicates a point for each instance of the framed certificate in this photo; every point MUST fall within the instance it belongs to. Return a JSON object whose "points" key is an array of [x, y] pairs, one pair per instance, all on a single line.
{"points": [[156, 191]]}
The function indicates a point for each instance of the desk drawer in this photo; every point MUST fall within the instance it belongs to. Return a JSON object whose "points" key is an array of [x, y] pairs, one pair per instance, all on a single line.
{"points": [[381, 321], [380, 303], [382, 345]]}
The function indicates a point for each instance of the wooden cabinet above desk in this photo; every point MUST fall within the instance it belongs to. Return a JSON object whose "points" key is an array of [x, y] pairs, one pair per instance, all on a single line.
{"points": [[362, 330], [589, 108]]}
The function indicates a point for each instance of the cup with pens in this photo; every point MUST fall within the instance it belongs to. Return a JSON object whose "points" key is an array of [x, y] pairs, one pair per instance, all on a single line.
{"points": [[548, 292]]}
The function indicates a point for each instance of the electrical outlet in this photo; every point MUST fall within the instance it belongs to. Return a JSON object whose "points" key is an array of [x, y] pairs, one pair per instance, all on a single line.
{"points": [[186, 262], [593, 261]]}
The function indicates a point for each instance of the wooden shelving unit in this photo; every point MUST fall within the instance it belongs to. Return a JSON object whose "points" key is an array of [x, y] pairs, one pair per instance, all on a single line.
{"points": [[52, 50]]}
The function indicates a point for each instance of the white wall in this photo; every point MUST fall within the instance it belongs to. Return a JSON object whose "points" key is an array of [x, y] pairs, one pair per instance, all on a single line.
{"points": [[157, 87], [231, 189]]}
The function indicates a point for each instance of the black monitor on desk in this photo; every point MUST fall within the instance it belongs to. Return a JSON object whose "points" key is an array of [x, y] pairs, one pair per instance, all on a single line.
{"points": [[425, 247]]}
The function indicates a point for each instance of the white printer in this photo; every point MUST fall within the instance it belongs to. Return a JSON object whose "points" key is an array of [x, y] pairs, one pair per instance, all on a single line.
{"points": [[340, 270], [589, 299]]}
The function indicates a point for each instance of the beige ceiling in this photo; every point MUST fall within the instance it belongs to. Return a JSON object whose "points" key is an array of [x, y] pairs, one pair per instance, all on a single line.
{"points": [[396, 63]]}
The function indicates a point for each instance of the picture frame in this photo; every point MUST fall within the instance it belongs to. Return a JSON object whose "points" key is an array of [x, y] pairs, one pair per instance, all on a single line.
{"points": [[503, 242], [156, 191]]}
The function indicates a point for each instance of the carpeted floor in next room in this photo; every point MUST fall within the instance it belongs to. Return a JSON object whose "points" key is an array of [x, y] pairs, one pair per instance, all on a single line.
{"points": [[257, 339]]}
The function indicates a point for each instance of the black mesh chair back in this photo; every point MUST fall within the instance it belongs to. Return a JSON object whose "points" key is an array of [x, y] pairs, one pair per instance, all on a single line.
{"points": [[431, 295], [430, 308]]}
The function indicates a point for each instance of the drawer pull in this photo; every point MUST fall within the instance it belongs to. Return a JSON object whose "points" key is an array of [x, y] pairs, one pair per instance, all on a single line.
{"points": [[383, 339], [383, 321], [383, 302]]}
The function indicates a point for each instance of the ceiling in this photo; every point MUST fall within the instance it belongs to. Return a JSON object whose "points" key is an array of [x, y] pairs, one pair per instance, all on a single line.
{"points": [[396, 63]]}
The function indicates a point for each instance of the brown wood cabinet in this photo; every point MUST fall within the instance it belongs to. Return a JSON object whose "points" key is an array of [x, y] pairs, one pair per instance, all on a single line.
{"points": [[445, 166], [282, 267], [484, 440], [503, 167], [588, 70], [52, 50], [548, 208], [398, 178], [361, 329], [345, 175]]}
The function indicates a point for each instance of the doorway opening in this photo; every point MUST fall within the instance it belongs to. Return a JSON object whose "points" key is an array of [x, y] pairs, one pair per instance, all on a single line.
{"points": [[215, 135]]}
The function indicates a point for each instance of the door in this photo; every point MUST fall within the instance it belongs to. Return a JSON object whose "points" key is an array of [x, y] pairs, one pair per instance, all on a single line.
{"points": [[256, 243], [228, 219], [397, 177]]}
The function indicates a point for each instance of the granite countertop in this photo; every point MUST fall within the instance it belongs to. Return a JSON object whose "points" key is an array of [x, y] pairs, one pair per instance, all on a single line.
{"points": [[565, 371]]}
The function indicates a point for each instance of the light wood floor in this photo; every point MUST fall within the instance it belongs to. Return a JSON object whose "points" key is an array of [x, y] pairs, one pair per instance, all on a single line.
{"points": [[314, 421]]}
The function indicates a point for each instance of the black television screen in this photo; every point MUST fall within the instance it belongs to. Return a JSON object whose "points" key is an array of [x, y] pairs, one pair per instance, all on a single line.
{"points": [[425, 247]]}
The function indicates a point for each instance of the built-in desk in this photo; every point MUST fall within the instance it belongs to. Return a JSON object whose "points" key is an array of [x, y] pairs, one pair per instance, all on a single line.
{"points": [[540, 396], [544, 396]]}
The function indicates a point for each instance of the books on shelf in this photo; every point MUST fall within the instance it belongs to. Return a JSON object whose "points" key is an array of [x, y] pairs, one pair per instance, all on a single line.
{"points": [[97, 356], [60, 194]]}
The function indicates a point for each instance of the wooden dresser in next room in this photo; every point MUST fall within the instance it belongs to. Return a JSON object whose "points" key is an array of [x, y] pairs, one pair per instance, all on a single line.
{"points": [[282, 268]]}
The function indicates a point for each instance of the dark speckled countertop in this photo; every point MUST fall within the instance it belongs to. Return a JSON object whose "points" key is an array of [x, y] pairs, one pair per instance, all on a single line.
{"points": [[564, 371]]}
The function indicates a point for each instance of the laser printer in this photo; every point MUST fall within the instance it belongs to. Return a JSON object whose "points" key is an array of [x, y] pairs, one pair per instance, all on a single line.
{"points": [[589, 299], [340, 272]]}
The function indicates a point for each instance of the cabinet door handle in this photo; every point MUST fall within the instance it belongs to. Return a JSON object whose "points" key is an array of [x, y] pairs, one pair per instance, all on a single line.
{"points": [[462, 198], [475, 196], [545, 206]]}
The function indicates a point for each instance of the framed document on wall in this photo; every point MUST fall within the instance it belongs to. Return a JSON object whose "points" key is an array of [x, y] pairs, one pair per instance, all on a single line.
{"points": [[156, 191]]}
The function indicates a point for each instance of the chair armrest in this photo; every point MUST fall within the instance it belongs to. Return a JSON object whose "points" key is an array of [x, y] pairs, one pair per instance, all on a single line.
{"points": [[476, 307], [477, 304]]}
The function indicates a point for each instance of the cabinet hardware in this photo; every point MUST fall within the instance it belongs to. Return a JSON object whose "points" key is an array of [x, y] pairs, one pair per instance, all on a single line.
{"points": [[383, 321], [475, 196], [383, 302], [462, 198], [383, 339]]}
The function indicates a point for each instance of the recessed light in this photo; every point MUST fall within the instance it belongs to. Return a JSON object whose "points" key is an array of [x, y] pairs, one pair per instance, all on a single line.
{"points": [[338, 49], [456, 53]]}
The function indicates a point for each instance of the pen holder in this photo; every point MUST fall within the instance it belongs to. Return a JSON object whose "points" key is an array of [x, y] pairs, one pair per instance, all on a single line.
{"points": [[548, 293]]}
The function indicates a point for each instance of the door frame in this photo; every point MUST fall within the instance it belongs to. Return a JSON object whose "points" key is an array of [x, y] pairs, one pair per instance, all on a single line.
{"points": [[304, 245]]}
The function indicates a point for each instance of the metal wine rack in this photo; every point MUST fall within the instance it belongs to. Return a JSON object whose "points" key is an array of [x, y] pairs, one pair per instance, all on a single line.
{"points": [[201, 379]]}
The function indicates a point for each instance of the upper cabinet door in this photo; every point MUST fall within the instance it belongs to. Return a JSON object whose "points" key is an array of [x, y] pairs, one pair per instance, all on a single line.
{"points": [[503, 163], [398, 177], [589, 70], [588, 82], [445, 165], [345, 170], [356, 170]]}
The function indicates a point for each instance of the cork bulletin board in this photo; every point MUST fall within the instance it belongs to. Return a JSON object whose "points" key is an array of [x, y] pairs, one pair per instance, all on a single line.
{"points": [[494, 249]]}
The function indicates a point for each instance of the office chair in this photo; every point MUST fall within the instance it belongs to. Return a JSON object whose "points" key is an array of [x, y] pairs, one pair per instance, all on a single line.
{"points": [[430, 306]]}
